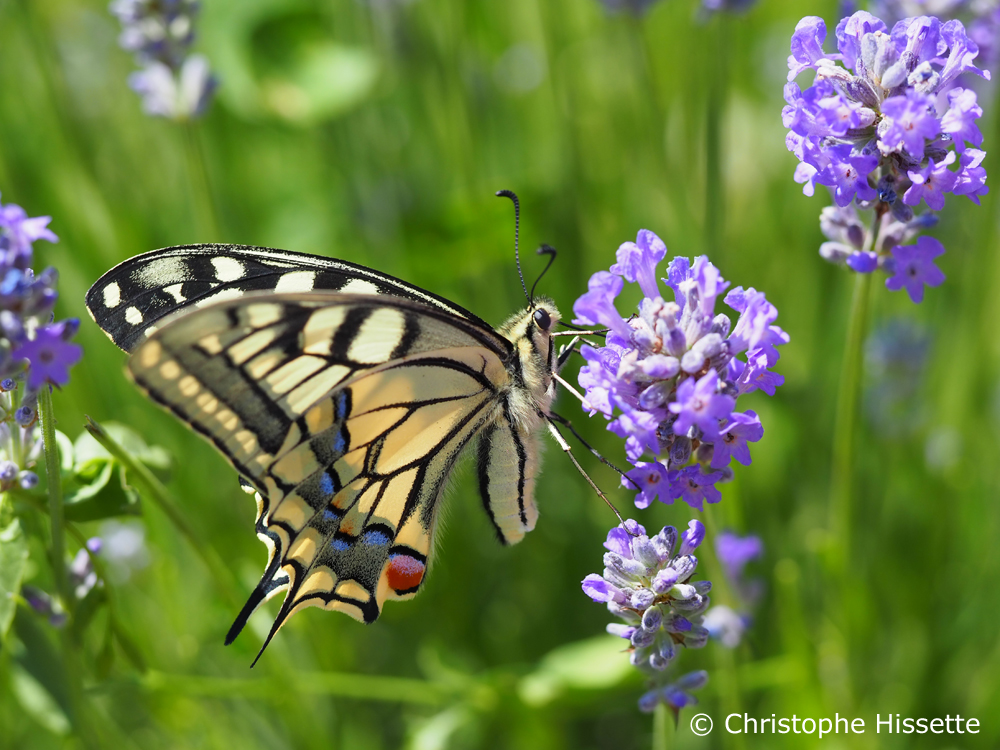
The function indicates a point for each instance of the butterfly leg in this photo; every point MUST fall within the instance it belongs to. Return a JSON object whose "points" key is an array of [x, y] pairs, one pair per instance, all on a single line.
{"points": [[561, 441]]}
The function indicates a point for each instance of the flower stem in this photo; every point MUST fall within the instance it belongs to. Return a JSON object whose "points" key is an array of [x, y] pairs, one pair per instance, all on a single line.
{"points": [[52, 473], [846, 426], [79, 715], [203, 199], [715, 192], [663, 728], [161, 497]]}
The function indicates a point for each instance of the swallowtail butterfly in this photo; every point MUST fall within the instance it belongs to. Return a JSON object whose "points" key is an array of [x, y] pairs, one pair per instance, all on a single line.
{"points": [[343, 397]]}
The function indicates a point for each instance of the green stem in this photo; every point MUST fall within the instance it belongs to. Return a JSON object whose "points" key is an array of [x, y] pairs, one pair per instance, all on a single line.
{"points": [[663, 728], [846, 425], [78, 713], [715, 189], [52, 473], [161, 496], [203, 199]]}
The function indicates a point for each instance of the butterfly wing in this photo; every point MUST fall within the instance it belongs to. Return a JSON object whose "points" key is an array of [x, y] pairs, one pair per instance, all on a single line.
{"points": [[346, 414], [135, 296]]}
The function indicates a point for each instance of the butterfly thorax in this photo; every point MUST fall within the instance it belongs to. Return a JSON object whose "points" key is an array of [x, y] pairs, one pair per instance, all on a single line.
{"points": [[532, 361]]}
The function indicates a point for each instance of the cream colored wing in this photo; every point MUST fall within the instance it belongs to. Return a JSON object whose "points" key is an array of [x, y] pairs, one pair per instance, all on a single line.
{"points": [[346, 414]]}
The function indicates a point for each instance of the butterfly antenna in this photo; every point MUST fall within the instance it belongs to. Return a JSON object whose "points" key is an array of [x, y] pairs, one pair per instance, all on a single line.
{"points": [[517, 230], [543, 250]]}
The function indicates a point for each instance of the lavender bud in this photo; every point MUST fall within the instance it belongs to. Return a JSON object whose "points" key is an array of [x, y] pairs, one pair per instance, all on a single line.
{"points": [[620, 630], [629, 569], [28, 480], [697, 638], [25, 416], [684, 566], [642, 638], [680, 451], [668, 650], [642, 598], [664, 543], [664, 580], [676, 623], [9, 384], [652, 618], [658, 663], [721, 325], [704, 453], [8, 471], [645, 552]]}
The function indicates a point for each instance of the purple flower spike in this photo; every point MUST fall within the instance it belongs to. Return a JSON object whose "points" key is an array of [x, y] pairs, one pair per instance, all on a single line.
{"points": [[742, 429], [50, 356], [883, 129], [652, 591], [915, 267], [701, 405]]}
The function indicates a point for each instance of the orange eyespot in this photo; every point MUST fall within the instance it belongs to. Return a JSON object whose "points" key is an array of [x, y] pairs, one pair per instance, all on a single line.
{"points": [[405, 572]]}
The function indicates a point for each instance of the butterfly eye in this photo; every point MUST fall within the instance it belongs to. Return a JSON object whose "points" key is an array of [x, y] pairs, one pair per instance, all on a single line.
{"points": [[542, 319]]}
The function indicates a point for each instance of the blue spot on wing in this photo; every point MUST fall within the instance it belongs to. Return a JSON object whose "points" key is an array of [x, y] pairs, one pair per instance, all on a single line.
{"points": [[339, 544], [326, 484], [339, 443], [375, 538]]}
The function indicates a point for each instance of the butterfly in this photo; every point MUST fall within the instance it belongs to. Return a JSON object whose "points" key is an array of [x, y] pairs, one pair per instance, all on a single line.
{"points": [[343, 397]]}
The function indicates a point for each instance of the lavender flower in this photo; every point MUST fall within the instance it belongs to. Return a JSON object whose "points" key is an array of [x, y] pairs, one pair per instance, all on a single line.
{"points": [[895, 360], [668, 379], [676, 695], [34, 351], [172, 83], [885, 137], [646, 584], [82, 579], [725, 624], [981, 17]]}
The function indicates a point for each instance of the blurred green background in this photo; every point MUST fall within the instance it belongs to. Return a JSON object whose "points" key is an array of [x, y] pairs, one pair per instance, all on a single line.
{"points": [[378, 132]]}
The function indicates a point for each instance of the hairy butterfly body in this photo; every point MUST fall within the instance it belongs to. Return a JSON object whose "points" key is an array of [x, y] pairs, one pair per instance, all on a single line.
{"points": [[343, 397]]}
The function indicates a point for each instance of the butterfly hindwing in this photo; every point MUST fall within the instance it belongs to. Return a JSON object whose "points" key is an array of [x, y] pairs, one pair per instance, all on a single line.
{"points": [[136, 295], [345, 413]]}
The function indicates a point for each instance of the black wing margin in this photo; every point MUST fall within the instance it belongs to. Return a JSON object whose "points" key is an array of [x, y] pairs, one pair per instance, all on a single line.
{"points": [[131, 299]]}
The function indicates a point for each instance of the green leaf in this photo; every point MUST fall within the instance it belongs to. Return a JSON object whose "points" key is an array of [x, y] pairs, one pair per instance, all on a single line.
{"points": [[86, 609], [13, 559], [103, 494], [38, 703], [42, 661], [87, 449], [592, 664]]}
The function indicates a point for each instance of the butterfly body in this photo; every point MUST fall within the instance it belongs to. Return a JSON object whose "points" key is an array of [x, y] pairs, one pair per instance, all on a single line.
{"points": [[343, 397]]}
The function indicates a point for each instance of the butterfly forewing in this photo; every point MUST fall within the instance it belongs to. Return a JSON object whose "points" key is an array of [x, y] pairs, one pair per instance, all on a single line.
{"points": [[343, 397], [139, 293]]}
